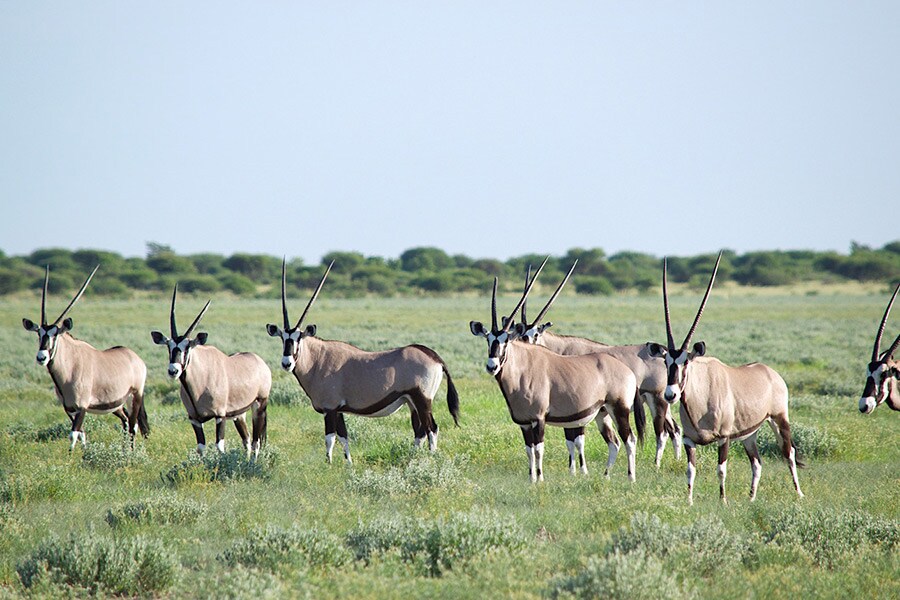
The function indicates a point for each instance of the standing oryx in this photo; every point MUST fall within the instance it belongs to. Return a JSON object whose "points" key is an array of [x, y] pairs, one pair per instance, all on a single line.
{"points": [[544, 388], [650, 373], [721, 403], [88, 380], [883, 372], [216, 386], [340, 378]]}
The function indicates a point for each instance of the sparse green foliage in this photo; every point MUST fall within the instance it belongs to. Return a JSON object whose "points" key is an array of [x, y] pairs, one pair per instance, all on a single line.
{"points": [[164, 510], [221, 467], [274, 548], [637, 574]]}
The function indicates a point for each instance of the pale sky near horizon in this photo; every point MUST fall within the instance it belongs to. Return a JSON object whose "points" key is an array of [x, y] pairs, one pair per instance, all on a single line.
{"points": [[491, 129]]}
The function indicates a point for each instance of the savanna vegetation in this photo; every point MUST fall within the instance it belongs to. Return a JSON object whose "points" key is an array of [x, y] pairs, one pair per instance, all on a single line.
{"points": [[429, 271], [465, 522]]}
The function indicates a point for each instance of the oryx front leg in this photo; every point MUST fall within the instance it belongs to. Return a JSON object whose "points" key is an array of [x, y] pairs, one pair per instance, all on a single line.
{"points": [[220, 434], [198, 433], [612, 441], [622, 413], [77, 429], [330, 433], [662, 436], [575, 444], [755, 464], [240, 423], [722, 469], [691, 451], [528, 435]]}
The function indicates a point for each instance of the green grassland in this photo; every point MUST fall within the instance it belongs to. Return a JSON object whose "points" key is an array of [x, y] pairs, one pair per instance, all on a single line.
{"points": [[465, 522]]}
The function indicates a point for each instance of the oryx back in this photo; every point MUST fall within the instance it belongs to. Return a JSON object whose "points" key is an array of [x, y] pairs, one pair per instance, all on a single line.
{"points": [[223, 386]]}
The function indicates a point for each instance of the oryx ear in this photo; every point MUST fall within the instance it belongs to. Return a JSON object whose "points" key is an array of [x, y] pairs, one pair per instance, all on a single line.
{"points": [[67, 325], [504, 321], [546, 325], [310, 331], [272, 329], [30, 325], [699, 349], [477, 328], [200, 340], [158, 338], [656, 350], [519, 329]]}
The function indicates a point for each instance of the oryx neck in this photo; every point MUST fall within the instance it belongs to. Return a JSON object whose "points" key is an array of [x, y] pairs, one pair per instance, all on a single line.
{"points": [[187, 389]]}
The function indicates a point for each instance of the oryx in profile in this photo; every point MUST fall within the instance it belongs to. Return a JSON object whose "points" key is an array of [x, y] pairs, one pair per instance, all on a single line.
{"points": [[88, 380], [544, 388], [650, 373], [883, 372], [340, 378], [215, 385], [721, 403]]}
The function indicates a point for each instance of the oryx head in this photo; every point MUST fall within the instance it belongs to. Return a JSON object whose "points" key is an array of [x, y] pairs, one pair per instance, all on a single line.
{"points": [[48, 333], [531, 332], [292, 337], [499, 338], [180, 346], [678, 359], [883, 371]]}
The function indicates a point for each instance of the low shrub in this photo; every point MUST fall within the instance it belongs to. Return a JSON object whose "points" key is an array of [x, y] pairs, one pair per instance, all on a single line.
{"points": [[117, 455], [216, 466], [273, 547], [287, 394], [831, 536], [28, 432], [439, 545], [423, 472], [638, 575], [121, 566], [239, 583], [41, 483], [159, 511], [809, 441]]}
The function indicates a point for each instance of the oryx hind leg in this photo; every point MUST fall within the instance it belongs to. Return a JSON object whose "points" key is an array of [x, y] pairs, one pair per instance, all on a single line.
{"points": [[122, 413], [260, 424], [659, 428], [722, 469], [421, 405], [240, 423], [343, 437], [782, 430], [755, 464], [691, 452], [608, 432], [621, 413], [575, 444], [528, 436]]}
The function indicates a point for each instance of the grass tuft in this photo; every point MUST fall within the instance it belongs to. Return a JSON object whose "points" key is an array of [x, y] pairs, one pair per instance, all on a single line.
{"points": [[165, 510], [216, 466]]}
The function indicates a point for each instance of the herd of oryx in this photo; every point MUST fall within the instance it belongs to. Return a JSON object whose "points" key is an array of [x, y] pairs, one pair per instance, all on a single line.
{"points": [[546, 379]]}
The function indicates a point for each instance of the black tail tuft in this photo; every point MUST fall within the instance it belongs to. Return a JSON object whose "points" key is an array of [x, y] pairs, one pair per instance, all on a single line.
{"points": [[143, 422], [640, 417], [452, 397]]}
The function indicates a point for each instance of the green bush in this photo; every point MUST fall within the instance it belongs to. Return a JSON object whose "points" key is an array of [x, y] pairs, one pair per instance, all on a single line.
{"points": [[215, 466], [117, 455], [287, 394], [637, 575], [440, 545], [127, 566], [240, 583], [422, 473], [273, 547], [831, 536], [809, 441], [159, 511]]}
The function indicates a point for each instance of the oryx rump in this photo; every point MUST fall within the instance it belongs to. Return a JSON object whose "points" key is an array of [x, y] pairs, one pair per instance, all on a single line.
{"points": [[88, 380]]}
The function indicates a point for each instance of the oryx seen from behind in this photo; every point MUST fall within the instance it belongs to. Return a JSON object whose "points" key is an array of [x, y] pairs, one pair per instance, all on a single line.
{"points": [[882, 372], [650, 373], [88, 380], [544, 388], [215, 385], [340, 378], [722, 404]]}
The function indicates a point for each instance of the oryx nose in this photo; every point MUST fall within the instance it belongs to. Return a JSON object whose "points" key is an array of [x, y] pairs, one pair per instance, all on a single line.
{"points": [[866, 404], [41, 357], [671, 393], [173, 370], [287, 363]]}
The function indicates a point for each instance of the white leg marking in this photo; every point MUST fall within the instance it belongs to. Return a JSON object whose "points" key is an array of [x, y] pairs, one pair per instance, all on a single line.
{"points": [[329, 445], [722, 472], [220, 445], [755, 472], [346, 444], [256, 449], [201, 448], [792, 463], [613, 453], [432, 441], [691, 471], [74, 437], [571, 446], [677, 443], [660, 446], [539, 460], [531, 468], [579, 447], [630, 445]]}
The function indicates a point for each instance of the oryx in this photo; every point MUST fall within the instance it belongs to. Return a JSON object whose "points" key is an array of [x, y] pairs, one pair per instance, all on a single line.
{"points": [[650, 373], [882, 372], [88, 380], [340, 378], [720, 403], [216, 386], [544, 388]]}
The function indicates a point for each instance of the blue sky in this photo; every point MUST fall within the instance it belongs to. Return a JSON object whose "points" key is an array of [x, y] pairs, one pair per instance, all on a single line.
{"points": [[491, 129]]}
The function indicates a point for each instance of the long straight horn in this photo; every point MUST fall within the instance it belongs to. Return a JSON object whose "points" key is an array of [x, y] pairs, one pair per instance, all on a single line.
{"points": [[494, 306], [77, 296], [555, 294], [315, 295], [287, 323], [884, 319], [173, 330], [524, 296], [190, 329], [670, 339], [527, 280], [44, 297], [687, 339]]}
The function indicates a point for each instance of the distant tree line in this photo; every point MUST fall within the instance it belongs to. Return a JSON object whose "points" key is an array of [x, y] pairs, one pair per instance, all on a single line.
{"points": [[426, 270]]}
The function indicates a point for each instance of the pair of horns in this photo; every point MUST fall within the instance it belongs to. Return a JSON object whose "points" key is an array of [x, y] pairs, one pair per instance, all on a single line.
{"points": [[190, 330], [884, 319], [71, 304], [512, 314], [550, 301], [687, 339], [284, 310]]}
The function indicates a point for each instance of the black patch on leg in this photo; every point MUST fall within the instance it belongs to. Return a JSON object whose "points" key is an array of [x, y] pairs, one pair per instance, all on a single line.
{"points": [[198, 432], [341, 426], [220, 430], [241, 427], [572, 433], [330, 422], [418, 431]]}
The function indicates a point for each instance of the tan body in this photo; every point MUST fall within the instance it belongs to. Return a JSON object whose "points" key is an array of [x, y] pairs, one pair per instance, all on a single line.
{"points": [[216, 385], [81, 376]]}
